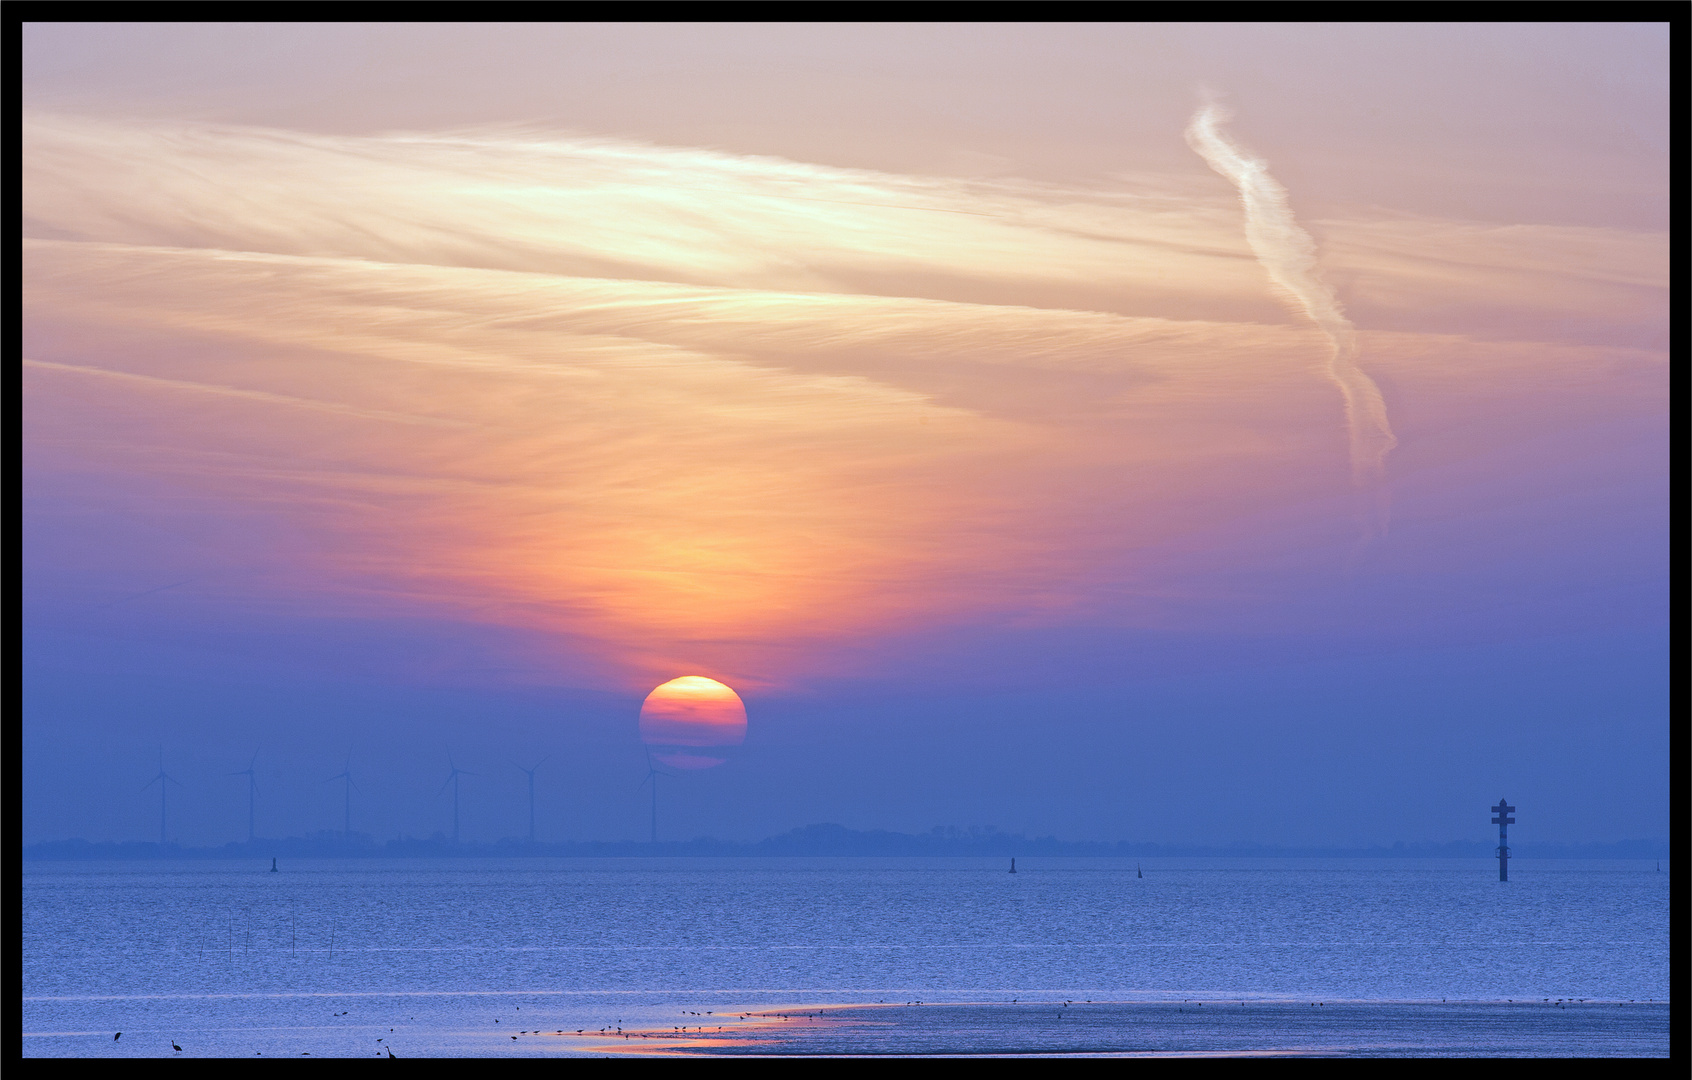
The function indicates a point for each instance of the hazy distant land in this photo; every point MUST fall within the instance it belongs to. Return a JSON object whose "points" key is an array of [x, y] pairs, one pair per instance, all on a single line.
{"points": [[820, 841]]}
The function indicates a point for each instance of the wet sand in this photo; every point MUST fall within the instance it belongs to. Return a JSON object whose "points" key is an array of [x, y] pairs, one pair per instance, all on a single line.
{"points": [[1159, 1029]]}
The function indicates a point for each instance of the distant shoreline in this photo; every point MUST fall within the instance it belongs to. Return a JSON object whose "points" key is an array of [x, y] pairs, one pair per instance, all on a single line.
{"points": [[815, 841]]}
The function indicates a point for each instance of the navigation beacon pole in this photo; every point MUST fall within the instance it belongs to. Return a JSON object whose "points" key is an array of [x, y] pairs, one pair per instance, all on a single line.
{"points": [[1503, 820]]}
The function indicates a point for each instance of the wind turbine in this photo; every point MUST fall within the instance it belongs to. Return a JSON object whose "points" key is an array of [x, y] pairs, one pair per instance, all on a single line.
{"points": [[531, 773], [164, 781], [252, 787], [452, 778], [653, 774], [346, 791]]}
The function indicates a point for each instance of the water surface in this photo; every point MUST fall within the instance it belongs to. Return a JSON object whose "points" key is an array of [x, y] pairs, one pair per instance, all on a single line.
{"points": [[457, 956]]}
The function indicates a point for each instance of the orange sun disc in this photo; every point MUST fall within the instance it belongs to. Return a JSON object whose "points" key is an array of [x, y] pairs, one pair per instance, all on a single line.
{"points": [[692, 712]]}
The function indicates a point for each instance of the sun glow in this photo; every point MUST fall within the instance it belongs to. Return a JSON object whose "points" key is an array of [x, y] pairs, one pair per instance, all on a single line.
{"points": [[659, 409]]}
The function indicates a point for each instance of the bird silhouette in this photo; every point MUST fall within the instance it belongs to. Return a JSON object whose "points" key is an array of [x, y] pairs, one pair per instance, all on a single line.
{"points": [[390, 1051], [118, 1036], [175, 1047]]}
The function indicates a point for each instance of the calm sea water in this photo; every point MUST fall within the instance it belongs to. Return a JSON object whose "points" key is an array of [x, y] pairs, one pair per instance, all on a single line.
{"points": [[455, 957]]}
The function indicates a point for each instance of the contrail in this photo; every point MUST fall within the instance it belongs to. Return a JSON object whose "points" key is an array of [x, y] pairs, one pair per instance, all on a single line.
{"points": [[1289, 255]]}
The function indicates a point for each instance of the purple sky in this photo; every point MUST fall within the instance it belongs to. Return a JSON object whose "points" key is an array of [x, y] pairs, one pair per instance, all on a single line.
{"points": [[402, 391]]}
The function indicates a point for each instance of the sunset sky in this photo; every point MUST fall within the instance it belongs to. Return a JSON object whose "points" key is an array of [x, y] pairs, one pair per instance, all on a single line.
{"points": [[399, 391]]}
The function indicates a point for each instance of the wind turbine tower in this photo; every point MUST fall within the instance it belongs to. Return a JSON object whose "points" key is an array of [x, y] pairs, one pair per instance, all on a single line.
{"points": [[452, 778], [346, 793], [531, 773], [252, 788], [652, 775], [164, 781]]}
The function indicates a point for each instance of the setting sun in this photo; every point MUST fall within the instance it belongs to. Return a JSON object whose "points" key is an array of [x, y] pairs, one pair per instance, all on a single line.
{"points": [[689, 712]]}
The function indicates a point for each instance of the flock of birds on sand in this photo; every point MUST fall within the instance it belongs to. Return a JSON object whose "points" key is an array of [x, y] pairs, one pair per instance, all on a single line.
{"points": [[610, 1029]]}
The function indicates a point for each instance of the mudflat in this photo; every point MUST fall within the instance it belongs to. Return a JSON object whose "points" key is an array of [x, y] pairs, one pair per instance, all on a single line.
{"points": [[1184, 1029]]}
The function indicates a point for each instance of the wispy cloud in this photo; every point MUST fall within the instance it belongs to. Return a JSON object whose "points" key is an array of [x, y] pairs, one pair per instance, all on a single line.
{"points": [[695, 473], [729, 414], [261, 396], [1288, 254]]}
